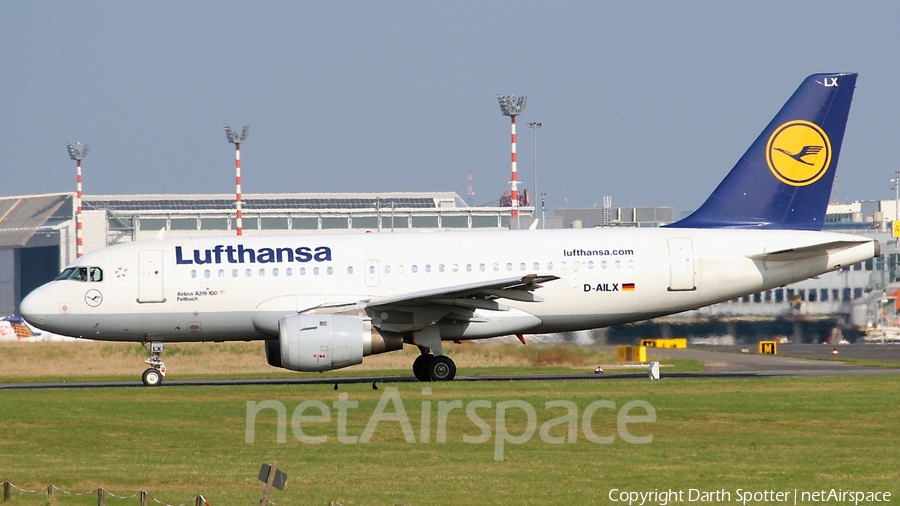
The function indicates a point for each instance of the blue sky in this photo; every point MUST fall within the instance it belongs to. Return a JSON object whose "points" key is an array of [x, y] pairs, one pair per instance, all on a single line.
{"points": [[650, 103]]}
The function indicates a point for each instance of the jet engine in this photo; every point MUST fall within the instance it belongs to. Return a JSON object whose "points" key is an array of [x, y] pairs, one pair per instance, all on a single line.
{"points": [[322, 342]]}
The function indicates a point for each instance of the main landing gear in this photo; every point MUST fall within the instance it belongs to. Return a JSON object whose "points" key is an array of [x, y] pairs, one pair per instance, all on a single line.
{"points": [[428, 367], [154, 375]]}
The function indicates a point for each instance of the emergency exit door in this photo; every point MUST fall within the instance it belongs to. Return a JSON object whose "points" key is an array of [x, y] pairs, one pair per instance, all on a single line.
{"points": [[371, 267]]}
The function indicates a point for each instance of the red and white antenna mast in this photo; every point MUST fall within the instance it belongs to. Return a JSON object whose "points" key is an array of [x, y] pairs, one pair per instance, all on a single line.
{"points": [[237, 139], [78, 153], [512, 107], [470, 191]]}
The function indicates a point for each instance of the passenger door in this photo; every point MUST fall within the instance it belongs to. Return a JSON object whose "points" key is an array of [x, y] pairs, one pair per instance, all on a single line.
{"points": [[681, 265], [150, 276]]}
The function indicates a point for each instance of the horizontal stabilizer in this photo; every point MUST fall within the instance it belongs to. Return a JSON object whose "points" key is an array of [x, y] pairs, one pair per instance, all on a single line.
{"points": [[816, 250]]}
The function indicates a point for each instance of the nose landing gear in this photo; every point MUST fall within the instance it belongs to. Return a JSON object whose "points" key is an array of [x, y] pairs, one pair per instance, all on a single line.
{"points": [[154, 375]]}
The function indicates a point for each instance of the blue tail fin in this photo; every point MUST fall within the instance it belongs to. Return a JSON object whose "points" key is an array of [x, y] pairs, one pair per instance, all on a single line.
{"points": [[784, 180]]}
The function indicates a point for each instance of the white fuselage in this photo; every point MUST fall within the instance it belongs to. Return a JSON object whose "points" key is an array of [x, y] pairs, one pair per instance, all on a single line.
{"points": [[208, 289]]}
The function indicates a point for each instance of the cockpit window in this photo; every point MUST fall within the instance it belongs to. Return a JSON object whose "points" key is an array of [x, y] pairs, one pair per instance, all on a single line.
{"points": [[93, 274], [66, 273], [80, 274]]}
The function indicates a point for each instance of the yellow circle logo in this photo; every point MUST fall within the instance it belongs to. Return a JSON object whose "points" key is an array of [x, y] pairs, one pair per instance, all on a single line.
{"points": [[798, 153]]}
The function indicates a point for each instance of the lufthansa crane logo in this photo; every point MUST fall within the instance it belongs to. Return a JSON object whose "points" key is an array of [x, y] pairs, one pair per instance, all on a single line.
{"points": [[798, 153], [93, 298]]}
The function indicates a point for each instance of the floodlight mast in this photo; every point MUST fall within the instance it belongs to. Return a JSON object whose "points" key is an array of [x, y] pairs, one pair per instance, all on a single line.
{"points": [[512, 107], [534, 125], [78, 153], [237, 139]]}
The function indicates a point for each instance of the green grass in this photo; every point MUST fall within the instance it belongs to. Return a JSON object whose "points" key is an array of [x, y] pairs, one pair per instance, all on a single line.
{"points": [[755, 434]]}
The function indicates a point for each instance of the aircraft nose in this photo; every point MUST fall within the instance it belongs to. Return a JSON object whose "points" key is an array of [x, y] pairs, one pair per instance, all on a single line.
{"points": [[33, 307]]}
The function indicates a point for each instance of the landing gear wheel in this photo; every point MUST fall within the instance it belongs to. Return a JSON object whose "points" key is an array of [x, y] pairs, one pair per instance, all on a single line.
{"points": [[420, 367], [442, 368], [151, 377], [154, 375]]}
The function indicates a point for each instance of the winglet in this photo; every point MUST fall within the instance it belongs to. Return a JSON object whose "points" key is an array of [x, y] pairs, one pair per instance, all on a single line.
{"points": [[162, 232], [784, 180]]}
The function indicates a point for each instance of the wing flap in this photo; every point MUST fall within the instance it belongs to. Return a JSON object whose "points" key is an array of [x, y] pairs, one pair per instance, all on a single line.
{"points": [[517, 288]]}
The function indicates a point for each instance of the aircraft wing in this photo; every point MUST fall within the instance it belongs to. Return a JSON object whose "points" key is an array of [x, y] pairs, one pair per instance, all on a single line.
{"points": [[514, 288], [816, 250]]}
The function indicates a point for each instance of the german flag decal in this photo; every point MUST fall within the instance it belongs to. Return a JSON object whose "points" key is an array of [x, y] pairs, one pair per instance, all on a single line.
{"points": [[627, 287]]}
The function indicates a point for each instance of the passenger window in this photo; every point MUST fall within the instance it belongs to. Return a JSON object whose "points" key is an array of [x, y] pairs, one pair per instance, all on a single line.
{"points": [[96, 274]]}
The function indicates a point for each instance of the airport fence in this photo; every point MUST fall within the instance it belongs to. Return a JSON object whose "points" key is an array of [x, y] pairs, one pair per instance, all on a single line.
{"points": [[101, 493]]}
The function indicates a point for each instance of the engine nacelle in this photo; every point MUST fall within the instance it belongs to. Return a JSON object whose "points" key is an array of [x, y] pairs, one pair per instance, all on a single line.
{"points": [[322, 342]]}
